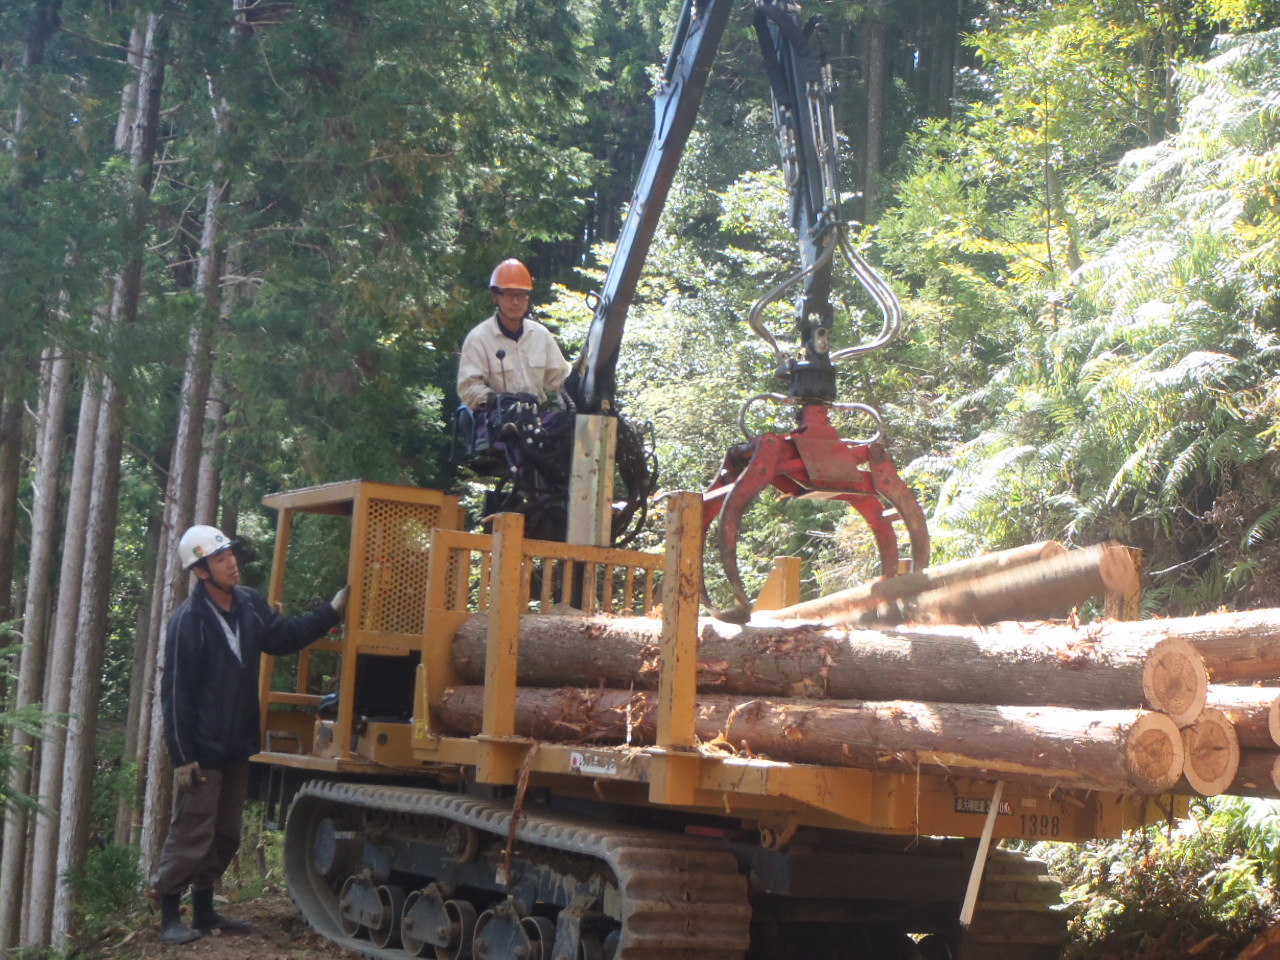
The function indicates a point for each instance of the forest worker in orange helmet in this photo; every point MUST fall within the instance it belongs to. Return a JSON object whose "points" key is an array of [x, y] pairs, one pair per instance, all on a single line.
{"points": [[510, 352]]}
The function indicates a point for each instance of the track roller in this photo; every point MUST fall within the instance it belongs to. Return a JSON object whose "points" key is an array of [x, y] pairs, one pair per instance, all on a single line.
{"points": [[431, 920], [504, 932], [375, 910], [387, 932], [358, 905]]}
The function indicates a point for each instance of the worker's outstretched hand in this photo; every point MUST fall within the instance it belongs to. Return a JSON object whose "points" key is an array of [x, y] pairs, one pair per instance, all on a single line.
{"points": [[187, 776], [339, 600]]}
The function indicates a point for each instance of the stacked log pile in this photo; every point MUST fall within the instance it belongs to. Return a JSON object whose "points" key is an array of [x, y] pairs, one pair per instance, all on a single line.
{"points": [[926, 671]]}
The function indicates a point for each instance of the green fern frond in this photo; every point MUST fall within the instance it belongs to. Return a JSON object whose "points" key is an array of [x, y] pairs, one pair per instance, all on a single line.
{"points": [[1190, 459], [1262, 528], [1242, 573], [1198, 370], [1135, 471]]}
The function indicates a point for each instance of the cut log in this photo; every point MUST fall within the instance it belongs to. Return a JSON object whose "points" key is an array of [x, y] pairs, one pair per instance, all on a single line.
{"points": [[836, 607], [1258, 774], [806, 660], [1254, 711], [1122, 751], [1237, 647], [1035, 590], [1211, 753]]}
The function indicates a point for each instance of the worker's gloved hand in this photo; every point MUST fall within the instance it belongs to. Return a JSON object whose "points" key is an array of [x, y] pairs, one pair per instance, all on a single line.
{"points": [[187, 776], [339, 600], [491, 401]]}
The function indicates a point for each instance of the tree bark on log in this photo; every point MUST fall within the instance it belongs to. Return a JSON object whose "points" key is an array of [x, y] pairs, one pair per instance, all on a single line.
{"points": [[1254, 711], [838, 607], [1211, 753], [1236, 647], [806, 660], [1258, 774], [1241, 646], [1123, 751], [1026, 592]]}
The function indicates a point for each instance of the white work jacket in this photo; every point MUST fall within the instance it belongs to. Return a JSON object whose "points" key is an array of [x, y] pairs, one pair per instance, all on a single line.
{"points": [[533, 364]]}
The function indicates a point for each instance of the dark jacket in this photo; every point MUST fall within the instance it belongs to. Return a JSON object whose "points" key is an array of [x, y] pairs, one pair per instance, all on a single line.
{"points": [[210, 699]]}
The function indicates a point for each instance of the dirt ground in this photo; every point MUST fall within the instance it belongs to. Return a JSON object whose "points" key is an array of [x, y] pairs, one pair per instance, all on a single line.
{"points": [[279, 933]]}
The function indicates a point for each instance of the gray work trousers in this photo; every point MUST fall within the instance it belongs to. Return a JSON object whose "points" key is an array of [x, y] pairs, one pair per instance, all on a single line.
{"points": [[204, 834]]}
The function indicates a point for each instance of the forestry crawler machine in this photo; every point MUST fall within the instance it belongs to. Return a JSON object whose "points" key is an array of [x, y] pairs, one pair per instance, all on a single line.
{"points": [[406, 837]]}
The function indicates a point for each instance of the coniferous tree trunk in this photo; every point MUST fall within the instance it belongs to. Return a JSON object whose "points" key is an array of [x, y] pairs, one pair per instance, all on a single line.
{"points": [[155, 641], [23, 856], [153, 759], [39, 888], [127, 807], [55, 383], [75, 664], [11, 423], [939, 82], [189, 497], [41, 23], [209, 484], [86, 675], [874, 42]]}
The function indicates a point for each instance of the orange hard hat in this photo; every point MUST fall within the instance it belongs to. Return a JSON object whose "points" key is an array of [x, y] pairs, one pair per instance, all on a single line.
{"points": [[511, 275]]}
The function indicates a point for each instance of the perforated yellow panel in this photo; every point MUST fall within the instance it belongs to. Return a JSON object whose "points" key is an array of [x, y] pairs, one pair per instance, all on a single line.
{"points": [[396, 549]]}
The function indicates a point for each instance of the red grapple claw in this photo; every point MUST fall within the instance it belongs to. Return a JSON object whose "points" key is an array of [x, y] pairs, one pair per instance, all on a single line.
{"points": [[813, 461]]}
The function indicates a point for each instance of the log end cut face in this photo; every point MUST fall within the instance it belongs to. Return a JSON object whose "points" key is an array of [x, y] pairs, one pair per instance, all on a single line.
{"points": [[1212, 752], [1175, 681], [1155, 752]]}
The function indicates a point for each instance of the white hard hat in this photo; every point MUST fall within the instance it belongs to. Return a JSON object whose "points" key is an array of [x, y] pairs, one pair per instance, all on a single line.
{"points": [[199, 542]]}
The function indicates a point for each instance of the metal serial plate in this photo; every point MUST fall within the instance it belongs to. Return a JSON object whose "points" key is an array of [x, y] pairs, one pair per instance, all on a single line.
{"points": [[594, 764], [982, 805]]}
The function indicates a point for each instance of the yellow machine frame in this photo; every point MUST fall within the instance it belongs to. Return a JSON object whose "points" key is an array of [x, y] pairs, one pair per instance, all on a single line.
{"points": [[416, 576]]}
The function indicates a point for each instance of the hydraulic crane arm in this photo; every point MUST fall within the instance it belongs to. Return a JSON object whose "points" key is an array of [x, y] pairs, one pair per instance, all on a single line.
{"points": [[800, 78], [812, 460]]}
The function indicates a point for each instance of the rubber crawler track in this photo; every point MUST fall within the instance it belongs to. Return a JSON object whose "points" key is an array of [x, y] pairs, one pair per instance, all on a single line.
{"points": [[683, 898], [1015, 918]]}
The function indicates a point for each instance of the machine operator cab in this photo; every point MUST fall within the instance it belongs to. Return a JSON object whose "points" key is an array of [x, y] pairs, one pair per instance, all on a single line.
{"points": [[524, 448]]}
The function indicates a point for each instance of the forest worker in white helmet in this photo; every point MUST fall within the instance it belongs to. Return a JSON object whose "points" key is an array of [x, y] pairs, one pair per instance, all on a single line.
{"points": [[510, 352], [209, 697]]}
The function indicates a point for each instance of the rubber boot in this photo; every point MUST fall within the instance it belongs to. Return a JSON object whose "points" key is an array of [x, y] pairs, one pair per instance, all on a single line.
{"points": [[207, 919], [172, 929]]}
